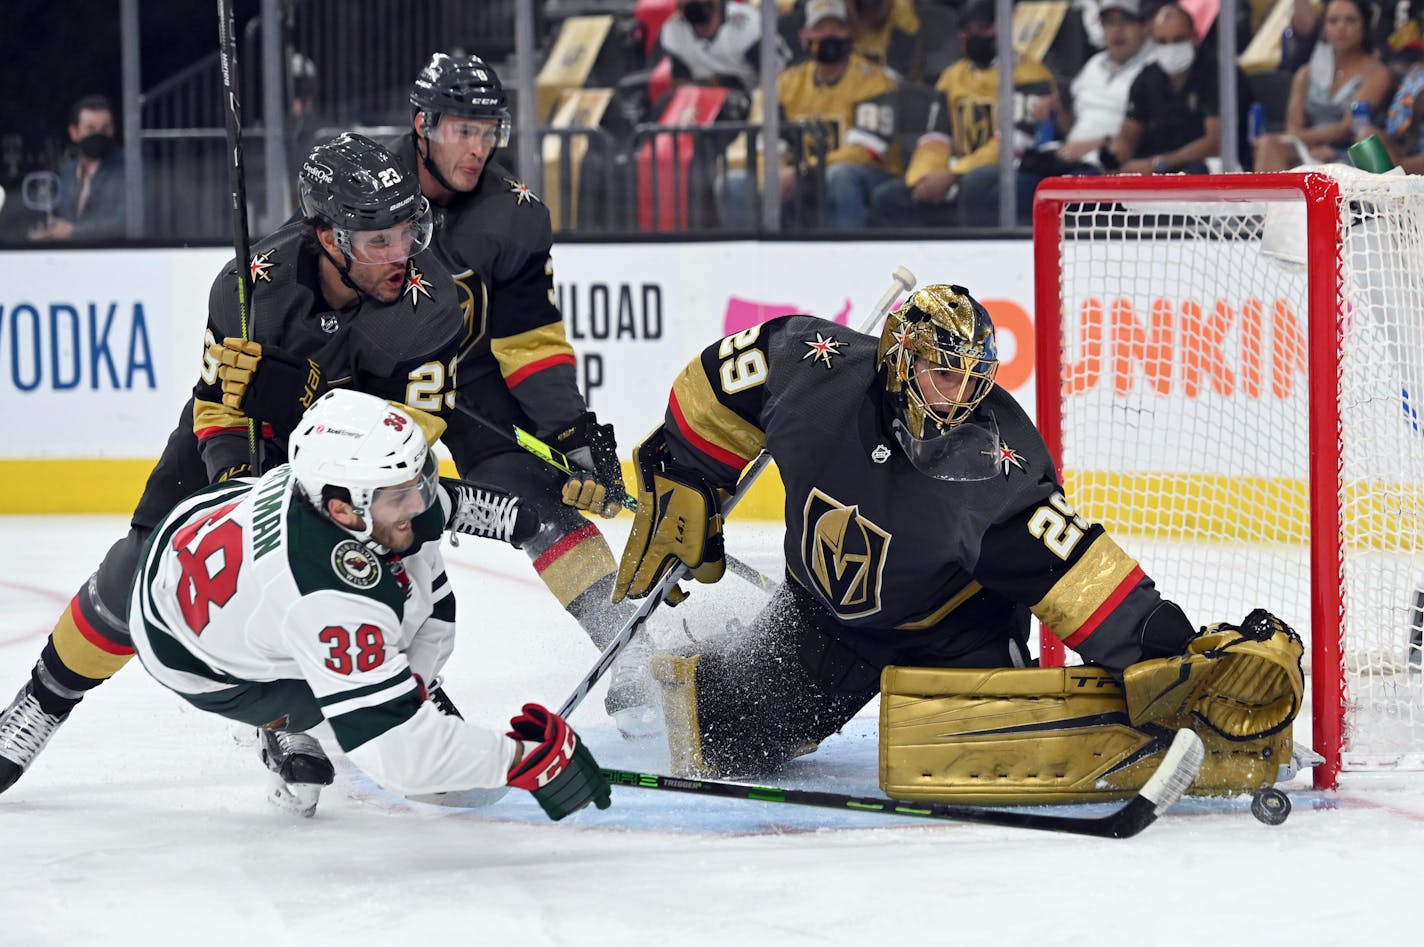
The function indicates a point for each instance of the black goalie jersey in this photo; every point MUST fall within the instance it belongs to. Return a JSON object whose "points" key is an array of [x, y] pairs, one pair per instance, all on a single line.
{"points": [[896, 555]]}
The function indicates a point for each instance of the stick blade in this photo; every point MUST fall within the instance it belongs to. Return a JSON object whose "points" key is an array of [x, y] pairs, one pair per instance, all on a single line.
{"points": [[1174, 776]]}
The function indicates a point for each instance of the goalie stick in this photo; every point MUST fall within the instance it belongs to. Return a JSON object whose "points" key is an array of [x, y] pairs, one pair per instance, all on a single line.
{"points": [[1173, 776], [904, 281]]}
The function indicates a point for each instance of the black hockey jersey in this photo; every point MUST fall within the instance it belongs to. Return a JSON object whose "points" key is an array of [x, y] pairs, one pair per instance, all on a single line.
{"points": [[893, 553], [403, 351], [516, 363]]}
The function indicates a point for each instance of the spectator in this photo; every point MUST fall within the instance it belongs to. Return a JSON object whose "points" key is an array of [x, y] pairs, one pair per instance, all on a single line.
{"points": [[92, 200], [1100, 97], [1343, 69], [824, 89], [876, 24], [714, 42], [954, 171], [1403, 133], [1173, 112]]}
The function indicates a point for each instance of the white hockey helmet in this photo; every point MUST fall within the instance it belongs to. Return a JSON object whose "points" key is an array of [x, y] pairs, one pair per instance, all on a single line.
{"points": [[362, 444]]}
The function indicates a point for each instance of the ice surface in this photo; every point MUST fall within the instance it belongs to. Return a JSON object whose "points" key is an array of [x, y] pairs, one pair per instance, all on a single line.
{"points": [[144, 823]]}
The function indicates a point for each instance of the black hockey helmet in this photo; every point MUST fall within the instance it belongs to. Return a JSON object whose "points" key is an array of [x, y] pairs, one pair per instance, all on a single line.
{"points": [[463, 86], [353, 185]]}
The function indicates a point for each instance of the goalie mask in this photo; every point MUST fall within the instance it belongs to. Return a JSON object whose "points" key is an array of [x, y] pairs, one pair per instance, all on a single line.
{"points": [[368, 448], [368, 198], [464, 87], [939, 358]]}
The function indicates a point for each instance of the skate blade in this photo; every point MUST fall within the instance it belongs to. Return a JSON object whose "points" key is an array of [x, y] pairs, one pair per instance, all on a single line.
{"points": [[294, 798]]}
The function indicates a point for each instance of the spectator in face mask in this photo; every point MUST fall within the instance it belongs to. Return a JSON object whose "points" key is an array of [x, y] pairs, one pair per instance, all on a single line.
{"points": [[713, 42], [826, 89], [92, 200], [1173, 110]]}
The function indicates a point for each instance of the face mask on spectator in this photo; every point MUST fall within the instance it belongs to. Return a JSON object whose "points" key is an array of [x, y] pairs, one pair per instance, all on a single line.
{"points": [[697, 13], [96, 145], [1175, 58], [981, 50], [831, 49]]}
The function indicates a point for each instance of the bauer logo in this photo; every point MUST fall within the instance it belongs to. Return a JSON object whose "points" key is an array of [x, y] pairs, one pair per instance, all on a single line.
{"points": [[1252, 348], [355, 565], [61, 346]]}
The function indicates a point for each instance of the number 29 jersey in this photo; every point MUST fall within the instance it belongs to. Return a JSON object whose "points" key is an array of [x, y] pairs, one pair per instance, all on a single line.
{"points": [[901, 558], [243, 582]]}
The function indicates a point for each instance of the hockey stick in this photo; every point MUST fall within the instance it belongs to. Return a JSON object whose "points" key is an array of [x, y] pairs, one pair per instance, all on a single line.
{"points": [[1174, 775], [241, 247], [904, 280], [560, 461]]}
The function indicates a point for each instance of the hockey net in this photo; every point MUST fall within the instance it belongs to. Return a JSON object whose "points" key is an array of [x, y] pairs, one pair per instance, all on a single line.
{"points": [[1230, 371]]}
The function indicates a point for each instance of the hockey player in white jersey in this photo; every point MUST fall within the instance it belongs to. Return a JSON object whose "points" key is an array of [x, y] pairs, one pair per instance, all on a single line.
{"points": [[319, 592]]}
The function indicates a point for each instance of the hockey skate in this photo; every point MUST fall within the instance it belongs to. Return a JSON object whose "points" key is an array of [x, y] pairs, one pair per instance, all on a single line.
{"points": [[300, 768], [489, 513], [25, 728], [633, 697]]}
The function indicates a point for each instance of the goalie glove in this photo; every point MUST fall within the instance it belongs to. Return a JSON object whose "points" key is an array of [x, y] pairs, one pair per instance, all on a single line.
{"points": [[266, 383], [478, 509], [678, 519], [556, 767], [1242, 682], [596, 483]]}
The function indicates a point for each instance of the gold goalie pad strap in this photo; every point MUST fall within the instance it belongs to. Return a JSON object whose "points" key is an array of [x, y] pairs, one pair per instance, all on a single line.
{"points": [[1242, 682], [1026, 736], [677, 677]]}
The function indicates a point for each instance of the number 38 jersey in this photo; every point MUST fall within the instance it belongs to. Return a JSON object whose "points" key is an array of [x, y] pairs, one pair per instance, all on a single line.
{"points": [[243, 582], [897, 556]]}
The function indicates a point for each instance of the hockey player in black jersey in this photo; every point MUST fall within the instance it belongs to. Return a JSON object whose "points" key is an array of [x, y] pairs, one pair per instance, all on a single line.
{"points": [[516, 364], [348, 297], [925, 523]]}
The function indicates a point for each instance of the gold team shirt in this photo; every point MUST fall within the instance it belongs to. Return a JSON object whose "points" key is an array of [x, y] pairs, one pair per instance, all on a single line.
{"points": [[873, 41], [803, 98], [964, 122]]}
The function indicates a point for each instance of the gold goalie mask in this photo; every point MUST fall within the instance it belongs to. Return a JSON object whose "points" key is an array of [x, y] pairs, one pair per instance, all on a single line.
{"points": [[939, 356]]}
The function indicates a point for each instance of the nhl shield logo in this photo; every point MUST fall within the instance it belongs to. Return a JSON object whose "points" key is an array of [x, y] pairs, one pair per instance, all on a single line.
{"points": [[844, 554], [355, 565]]}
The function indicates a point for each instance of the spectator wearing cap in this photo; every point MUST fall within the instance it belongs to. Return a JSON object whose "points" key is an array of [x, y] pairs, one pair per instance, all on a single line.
{"points": [[713, 42], [1173, 118], [825, 90], [1099, 92], [954, 172]]}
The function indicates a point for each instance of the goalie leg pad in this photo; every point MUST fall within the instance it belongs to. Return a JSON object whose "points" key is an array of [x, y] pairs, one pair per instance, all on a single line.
{"points": [[1029, 736]]}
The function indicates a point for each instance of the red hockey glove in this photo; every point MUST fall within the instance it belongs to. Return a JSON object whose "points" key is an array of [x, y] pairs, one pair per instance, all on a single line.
{"points": [[556, 767]]}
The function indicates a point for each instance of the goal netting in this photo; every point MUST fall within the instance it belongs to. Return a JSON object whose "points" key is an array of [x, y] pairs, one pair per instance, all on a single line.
{"points": [[1231, 375]]}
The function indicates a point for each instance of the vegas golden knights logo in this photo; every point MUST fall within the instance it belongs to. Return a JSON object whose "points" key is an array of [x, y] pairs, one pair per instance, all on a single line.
{"points": [[474, 304], [844, 553]]}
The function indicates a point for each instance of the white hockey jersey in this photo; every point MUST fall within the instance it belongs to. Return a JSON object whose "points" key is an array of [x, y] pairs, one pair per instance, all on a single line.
{"points": [[243, 582]]}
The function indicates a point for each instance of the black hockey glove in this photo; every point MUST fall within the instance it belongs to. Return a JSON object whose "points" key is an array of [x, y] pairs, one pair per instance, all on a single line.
{"points": [[597, 484], [266, 383], [478, 509], [556, 767]]}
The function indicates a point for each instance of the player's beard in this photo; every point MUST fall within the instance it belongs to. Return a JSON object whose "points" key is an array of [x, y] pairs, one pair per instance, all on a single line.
{"points": [[397, 537], [383, 282]]}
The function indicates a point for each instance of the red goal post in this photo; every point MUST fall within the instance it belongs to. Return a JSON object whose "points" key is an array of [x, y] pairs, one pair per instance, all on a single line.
{"points": [[1230, 375]]}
